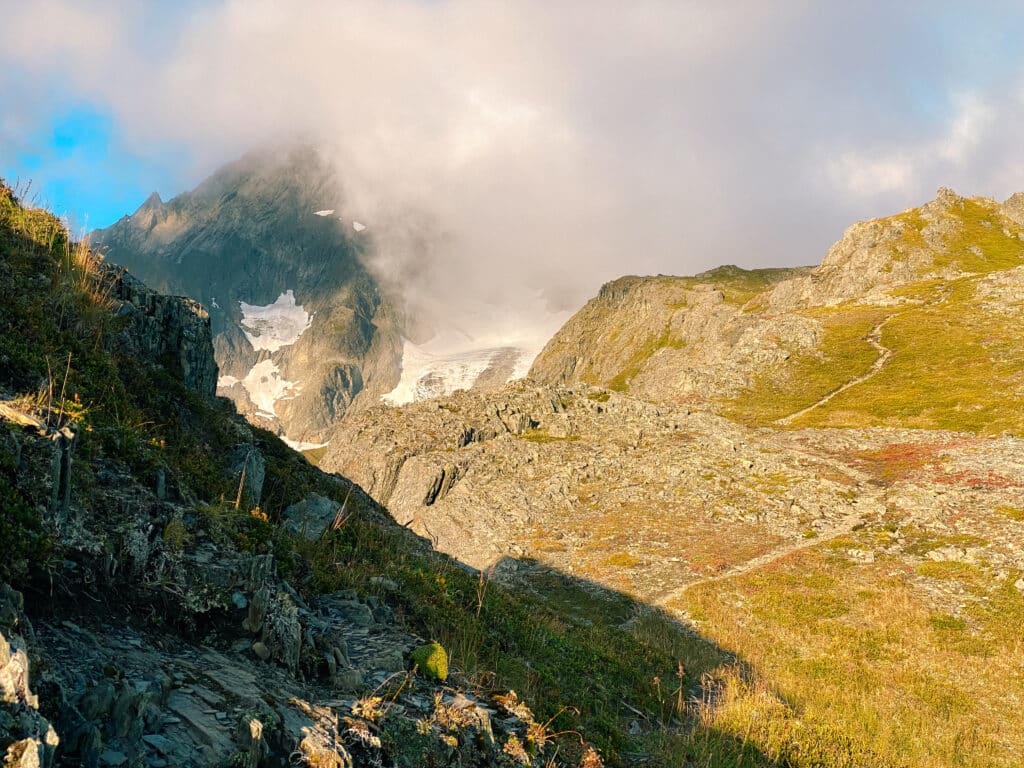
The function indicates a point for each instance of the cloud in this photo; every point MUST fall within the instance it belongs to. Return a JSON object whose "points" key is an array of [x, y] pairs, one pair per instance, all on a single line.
{"points": [[955, 153], [537, 149]]}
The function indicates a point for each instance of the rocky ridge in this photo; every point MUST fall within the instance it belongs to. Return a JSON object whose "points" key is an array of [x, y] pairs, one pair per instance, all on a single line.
{"points": [[730, 335]]}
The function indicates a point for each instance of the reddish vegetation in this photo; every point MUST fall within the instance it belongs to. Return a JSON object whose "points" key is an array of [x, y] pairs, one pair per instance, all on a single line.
{"points": [[977, 479], [897, 461]]}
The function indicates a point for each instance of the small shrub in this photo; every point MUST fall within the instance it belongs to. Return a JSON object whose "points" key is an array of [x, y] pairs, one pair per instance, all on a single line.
{"points": [[623, 560], [432, 661], [948, 569], [23, 541]]}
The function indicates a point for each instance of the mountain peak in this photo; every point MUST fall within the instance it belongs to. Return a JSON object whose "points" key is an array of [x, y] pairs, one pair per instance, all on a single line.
{"points": [[151, 202]]}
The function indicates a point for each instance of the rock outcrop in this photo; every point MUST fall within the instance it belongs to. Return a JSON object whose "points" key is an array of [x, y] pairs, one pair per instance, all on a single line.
{"points": [[159, 328], [27, 739]]}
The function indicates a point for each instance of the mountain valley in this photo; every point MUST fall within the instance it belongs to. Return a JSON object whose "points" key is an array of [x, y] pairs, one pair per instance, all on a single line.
{"points": [[752, 517], [772, 456]]}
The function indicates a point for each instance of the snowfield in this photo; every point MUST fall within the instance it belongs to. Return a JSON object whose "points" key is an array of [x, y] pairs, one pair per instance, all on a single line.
{"points": [[275, 325], [434, 369], [455, 359], [266, 387], [298, 445]]}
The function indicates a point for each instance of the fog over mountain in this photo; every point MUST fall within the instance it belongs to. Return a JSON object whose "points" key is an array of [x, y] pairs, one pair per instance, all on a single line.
{"points": [[539, 149]]}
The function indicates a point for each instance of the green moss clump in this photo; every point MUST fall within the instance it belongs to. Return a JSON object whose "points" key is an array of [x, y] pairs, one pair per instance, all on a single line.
{"points": [[943, 621], [432, 661], [176, 535]]}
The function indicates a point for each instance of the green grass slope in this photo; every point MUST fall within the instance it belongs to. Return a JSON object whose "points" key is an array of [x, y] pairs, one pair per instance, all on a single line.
{"points": [[957, 359]]}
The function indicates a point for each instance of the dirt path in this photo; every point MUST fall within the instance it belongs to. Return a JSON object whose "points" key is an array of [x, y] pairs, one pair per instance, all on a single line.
{"points": [[874, 338], [845, 525]]}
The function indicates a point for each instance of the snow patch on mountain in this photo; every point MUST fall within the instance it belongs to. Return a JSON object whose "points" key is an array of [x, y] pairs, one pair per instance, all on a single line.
{"points": [[502, 347], [425, 374], [267, 387], [453, 360], [275, 325], [298, 445]]}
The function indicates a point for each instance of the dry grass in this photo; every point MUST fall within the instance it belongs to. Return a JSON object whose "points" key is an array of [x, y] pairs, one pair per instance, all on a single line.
{"points": [[859, 653]]}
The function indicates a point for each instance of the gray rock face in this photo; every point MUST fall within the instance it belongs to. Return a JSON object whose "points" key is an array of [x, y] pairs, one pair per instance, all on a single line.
{"points": [[250, 468], [161, 328], [250, 234], [28, 739], [311, 516]]}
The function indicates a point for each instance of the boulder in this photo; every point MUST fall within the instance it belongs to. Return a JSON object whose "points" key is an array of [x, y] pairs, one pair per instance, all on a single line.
{"points": [[311, 516]]}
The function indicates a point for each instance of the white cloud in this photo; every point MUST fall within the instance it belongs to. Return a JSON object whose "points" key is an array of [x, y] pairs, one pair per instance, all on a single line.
{"points": [[503, 147], [960, 152]]}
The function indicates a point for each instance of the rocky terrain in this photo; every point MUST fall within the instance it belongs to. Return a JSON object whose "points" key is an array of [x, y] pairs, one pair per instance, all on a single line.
{"points": [[822, 469], [757, 518], [652, 498]]}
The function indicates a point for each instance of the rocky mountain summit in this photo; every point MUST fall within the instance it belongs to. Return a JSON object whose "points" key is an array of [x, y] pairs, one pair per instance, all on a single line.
{"points": [[899, 301], [301, 328], [305, 328]]}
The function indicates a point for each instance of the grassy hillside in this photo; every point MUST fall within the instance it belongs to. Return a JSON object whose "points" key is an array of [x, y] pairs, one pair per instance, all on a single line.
{"points": [[956, 344]]}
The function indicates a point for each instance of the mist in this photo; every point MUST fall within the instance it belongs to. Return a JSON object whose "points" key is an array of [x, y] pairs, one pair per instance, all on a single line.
{"points": [[510, 157]]}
